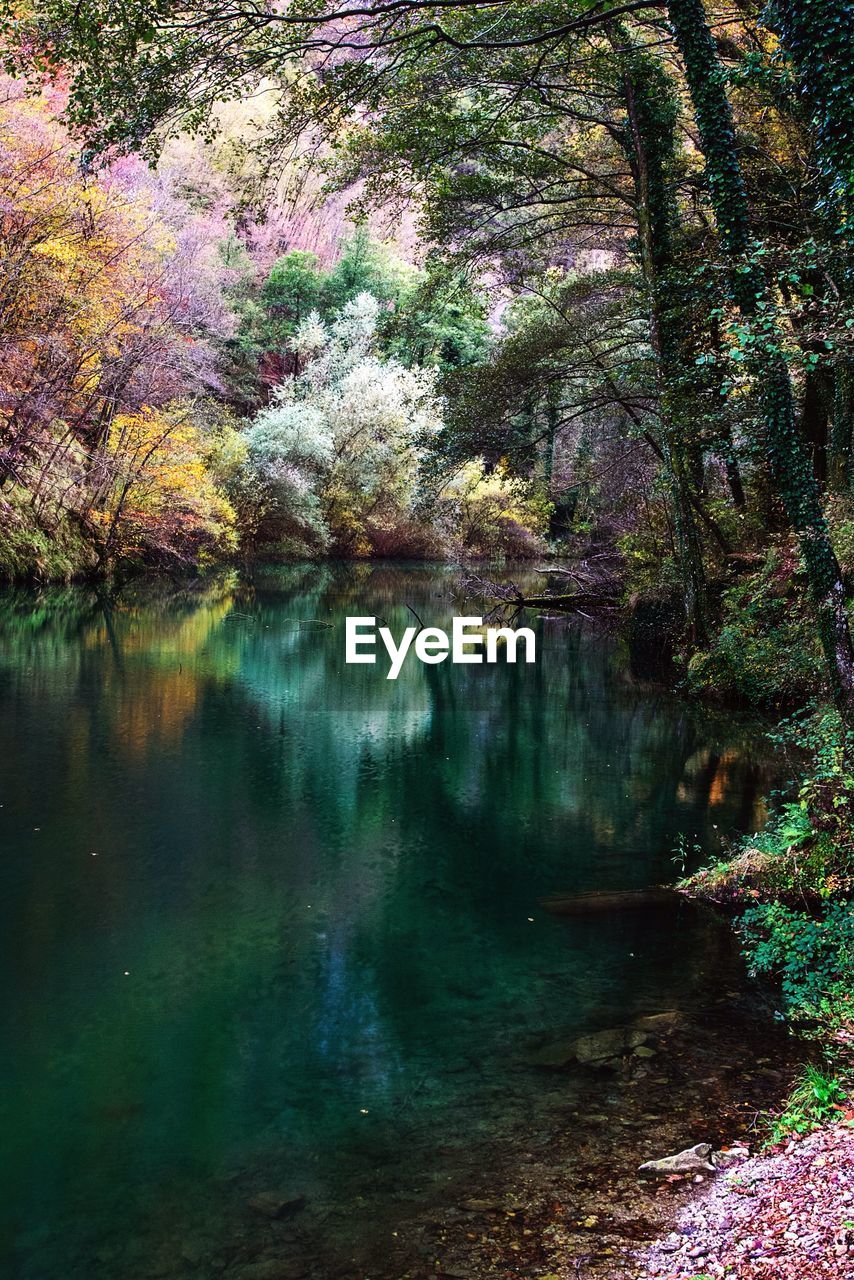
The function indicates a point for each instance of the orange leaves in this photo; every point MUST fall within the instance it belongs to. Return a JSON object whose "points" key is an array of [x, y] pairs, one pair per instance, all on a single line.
{"points": [[81, 269], [165, 499], [95, 303]]}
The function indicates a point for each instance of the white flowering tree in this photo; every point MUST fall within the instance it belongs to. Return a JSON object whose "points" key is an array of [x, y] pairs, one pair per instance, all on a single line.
{"points": [[335, 455]]}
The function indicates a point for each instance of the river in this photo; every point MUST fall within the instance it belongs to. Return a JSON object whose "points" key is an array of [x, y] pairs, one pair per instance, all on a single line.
{"points": [[275, 970]]}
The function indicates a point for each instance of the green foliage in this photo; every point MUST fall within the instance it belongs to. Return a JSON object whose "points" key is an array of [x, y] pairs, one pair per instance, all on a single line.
{"points": [[427, 319], [439, 321], [493, 514], [290, 292], [840, 519], [815, 38], [811, 955], [805, 852], [31, 549], [817, 1099], [333, 459], [764, 653], [363, 266]]}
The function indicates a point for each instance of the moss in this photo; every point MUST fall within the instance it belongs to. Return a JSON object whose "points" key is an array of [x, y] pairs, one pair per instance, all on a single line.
{"points": [[29, 550]]}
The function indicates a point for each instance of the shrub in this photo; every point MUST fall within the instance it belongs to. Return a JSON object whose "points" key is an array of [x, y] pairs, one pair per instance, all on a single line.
{"points": [[765, 653], [49, 548], [817, 1099], [493, 513], [811, 955]]}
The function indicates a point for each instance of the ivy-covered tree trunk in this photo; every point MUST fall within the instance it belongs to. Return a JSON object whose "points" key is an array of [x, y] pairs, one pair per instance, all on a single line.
{"points": [[816, 37], [652, 112], [787, 459], [733, 471], [841, 427], [815, 420]]}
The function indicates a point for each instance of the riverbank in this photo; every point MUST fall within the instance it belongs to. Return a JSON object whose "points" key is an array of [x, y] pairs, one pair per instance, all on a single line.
{"points": [[789, 1212], [555, 1192], [780, 1216]]}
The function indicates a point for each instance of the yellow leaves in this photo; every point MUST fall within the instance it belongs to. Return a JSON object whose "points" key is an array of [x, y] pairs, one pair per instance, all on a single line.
{"points": [[83, 263], [57, 250], [162, 480], [95, 307]]}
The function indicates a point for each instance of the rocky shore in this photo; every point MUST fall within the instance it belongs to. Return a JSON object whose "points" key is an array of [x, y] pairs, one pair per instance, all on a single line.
{"points": [[568, 1200], [786, 1215]]}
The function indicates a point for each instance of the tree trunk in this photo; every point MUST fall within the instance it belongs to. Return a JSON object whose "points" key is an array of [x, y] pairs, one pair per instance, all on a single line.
{"points": [[816, 37], [787, 458], [842, 422], [814, 422], [651, 146]]}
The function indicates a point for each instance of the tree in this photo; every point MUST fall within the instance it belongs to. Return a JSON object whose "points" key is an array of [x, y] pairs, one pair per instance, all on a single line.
{"points": [[438, 321], [288, 295], [107, 314], [509, 119], [364, 266], [335, 456], [787, 458]]}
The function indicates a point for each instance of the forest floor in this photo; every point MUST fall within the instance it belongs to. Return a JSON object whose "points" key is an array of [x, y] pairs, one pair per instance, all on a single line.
{"points": [[779, 1216]]}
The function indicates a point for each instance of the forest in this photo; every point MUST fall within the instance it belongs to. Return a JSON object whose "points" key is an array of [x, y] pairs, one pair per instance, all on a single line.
{"points": [[464, 280], [480, 282]]}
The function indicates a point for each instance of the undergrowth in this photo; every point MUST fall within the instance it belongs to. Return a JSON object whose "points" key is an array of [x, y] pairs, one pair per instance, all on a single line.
{"points": [[817, 1099], [792, 885], [31, 550]]}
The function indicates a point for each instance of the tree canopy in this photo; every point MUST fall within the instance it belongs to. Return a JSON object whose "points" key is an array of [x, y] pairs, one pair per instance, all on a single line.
{"points": [[656, 197]]}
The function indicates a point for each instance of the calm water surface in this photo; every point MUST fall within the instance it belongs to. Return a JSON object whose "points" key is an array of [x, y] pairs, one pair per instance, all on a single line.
{"points": [[269, 923]]}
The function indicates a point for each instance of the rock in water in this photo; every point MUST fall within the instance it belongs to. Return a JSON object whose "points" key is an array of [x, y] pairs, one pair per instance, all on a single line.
{"points": [[600, 1046], [554, 1056], [603, 1046], [660, 1023], [582, 904], [608, 1044], [274, 1204], [692, 1160]]}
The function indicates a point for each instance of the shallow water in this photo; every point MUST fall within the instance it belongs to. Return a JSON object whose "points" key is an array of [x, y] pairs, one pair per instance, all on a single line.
{"points": [[271, 924]]}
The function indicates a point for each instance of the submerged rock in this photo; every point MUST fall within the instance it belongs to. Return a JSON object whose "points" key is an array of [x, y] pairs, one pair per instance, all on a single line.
{"points": [[693, 1160], [476, 1205], [553, 1056], [601, 1046], [276, 1204], [608, 1044], [580, 904], [660, 1023]]}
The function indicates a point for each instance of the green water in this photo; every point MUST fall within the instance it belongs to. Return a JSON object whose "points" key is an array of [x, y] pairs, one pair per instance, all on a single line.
{"points": [[271, 923]]}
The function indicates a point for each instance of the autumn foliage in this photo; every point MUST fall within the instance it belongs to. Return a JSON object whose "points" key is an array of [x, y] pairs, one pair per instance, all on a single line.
{"points": [[103, 322]]}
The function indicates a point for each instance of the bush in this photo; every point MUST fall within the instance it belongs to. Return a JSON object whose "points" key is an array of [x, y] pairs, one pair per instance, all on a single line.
{"points": [[52, 549], [806, 849], [765, 653], [812, 955], [817, 1099], [493, 513]]}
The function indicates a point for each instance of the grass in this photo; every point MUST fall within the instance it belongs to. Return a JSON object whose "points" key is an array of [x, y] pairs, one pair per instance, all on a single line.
{"points": [[34, 552], [816, 1100]]}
